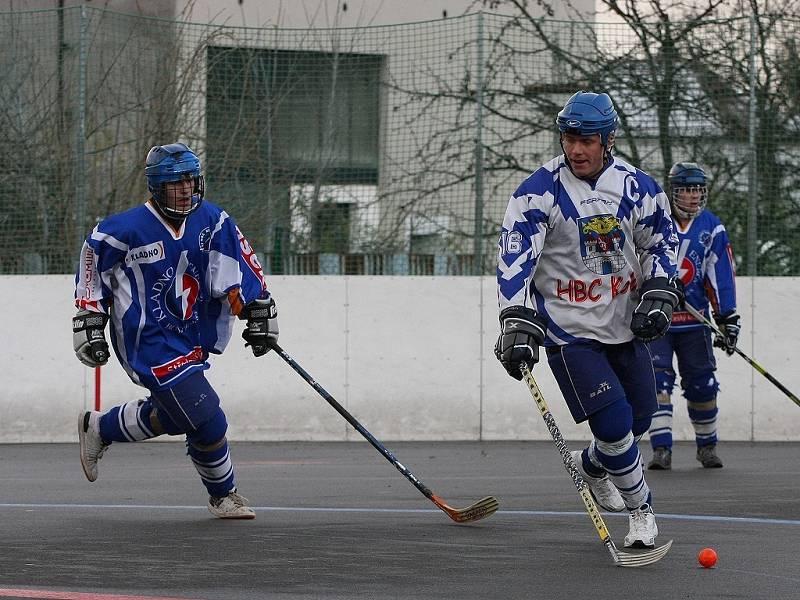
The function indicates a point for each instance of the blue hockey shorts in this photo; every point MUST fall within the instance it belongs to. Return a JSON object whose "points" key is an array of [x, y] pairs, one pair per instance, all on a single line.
{"points": [[696, 363], [189, 405], [592, 375]]}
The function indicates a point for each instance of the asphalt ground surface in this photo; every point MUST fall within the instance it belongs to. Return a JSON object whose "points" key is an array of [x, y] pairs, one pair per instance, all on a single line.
{"points": [[337, 520]]}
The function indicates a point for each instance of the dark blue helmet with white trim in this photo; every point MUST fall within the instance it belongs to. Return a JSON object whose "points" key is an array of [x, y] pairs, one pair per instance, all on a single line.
{"points": [[587, 113], [688, 187], [174, 162]]}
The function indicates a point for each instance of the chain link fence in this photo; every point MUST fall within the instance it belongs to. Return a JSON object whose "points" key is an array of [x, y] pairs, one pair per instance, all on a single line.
{"points": [[382, 150]]}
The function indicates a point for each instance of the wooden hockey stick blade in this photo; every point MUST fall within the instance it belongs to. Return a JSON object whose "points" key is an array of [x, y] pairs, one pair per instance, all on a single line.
{"points": [[639, 559], [485, 507]]}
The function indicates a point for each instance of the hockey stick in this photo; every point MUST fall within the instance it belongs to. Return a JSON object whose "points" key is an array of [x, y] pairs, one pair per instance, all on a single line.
{"points": [[621, 559], [481, 509], [700, 317]]}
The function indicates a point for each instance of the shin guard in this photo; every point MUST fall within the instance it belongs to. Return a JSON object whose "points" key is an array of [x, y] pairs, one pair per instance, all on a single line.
{"points": [[208, 449], [129, 422]]}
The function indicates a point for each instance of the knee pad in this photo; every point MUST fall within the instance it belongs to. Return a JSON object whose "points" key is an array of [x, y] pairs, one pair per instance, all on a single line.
{"points": [[612, 423], [665, 381], [701, 388], [210, 435]]}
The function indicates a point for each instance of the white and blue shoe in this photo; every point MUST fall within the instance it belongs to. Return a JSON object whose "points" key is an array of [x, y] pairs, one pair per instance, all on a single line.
{"points": [[604, 492]]}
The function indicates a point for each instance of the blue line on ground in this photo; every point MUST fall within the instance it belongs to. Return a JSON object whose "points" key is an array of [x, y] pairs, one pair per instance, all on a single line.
{"points": [[506, 513]]}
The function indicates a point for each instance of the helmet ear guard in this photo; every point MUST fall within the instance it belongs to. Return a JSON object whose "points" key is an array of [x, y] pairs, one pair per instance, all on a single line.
{"points": [[169, 163], [683, 178]]}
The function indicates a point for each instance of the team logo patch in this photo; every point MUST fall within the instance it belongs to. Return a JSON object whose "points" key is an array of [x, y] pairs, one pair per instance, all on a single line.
{"points": [[182, 293], [602, 240], [205, 240], [174, 295], [686, 270]]}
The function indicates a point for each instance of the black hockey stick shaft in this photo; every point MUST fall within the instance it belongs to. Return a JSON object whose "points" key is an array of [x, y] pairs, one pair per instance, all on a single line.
{"points": [[479, 510], [700, 317]]}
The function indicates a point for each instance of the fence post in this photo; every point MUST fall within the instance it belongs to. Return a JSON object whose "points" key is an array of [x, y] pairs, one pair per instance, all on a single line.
{"points": [[752, 164], [752, 189], [80, 142], [478, 232]]}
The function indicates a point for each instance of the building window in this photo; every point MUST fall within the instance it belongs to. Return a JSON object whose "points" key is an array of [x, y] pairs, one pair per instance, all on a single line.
{"points": [[280, 119]]}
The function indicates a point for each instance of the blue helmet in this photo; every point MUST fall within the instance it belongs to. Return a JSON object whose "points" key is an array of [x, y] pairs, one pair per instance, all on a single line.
{"points": [[173, 162], [587, 113], [685, 180]]}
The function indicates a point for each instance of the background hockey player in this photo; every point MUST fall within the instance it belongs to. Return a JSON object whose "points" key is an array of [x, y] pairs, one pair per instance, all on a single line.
{"points": [[706, 268], [170, 275], [586, 268]]}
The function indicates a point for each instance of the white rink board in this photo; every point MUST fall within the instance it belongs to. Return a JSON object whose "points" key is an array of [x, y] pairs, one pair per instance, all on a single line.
{"points": [[410, 357]]}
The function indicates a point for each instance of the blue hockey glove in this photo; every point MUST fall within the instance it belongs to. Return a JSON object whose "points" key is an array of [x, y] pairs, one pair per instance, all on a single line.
{"points": [[652, 317], [522, 331], [729, 327], [89, 339], [262, 325]]}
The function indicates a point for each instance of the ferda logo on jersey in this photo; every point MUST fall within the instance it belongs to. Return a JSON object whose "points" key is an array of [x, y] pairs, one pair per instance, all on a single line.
{"points": [[602, 241], [174, 295]]}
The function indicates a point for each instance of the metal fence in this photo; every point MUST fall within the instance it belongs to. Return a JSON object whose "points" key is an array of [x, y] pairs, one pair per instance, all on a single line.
{"points": [[381, 150]]}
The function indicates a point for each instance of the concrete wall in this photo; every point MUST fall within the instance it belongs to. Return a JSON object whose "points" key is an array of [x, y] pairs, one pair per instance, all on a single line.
{"points": [[409, 357]]}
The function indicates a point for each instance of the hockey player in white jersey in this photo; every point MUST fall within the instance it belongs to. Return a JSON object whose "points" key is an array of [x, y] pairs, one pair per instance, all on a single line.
{"points": [[586, 268], [707, 271], [170, 276]]}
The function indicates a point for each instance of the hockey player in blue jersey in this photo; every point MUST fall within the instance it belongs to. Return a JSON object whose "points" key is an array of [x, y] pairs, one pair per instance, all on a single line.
{"points": [[586, 268], [170, 276], [707, 271]]}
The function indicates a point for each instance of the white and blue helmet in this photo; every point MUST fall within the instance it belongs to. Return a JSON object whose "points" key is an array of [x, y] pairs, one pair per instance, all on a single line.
{"points": [[173, 162]]}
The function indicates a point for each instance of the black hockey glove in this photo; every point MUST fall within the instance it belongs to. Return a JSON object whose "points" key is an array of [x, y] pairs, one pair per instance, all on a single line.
{"points": [[262, 325], [89, 339], [522, 331], [678, 282], [653, 315], [729, 327]]}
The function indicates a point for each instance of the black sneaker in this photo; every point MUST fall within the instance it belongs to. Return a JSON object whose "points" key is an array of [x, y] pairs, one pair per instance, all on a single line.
{"points": [[662, 459], [707, 455]]}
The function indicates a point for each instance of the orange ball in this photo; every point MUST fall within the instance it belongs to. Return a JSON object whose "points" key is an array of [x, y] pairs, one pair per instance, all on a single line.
{"points": [[707, 557]]}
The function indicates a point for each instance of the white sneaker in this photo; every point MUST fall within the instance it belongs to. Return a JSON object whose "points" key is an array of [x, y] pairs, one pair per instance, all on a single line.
{"points": [[92, 445], [643, 528], [232, 506], [603, 491]]}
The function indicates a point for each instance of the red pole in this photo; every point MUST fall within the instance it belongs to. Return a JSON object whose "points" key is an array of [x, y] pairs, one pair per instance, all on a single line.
{"points": [[97, 388]]}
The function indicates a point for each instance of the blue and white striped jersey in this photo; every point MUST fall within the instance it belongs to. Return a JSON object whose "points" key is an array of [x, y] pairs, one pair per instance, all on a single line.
{"points": [[578, 252], [707, 269], [171, 296]]}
